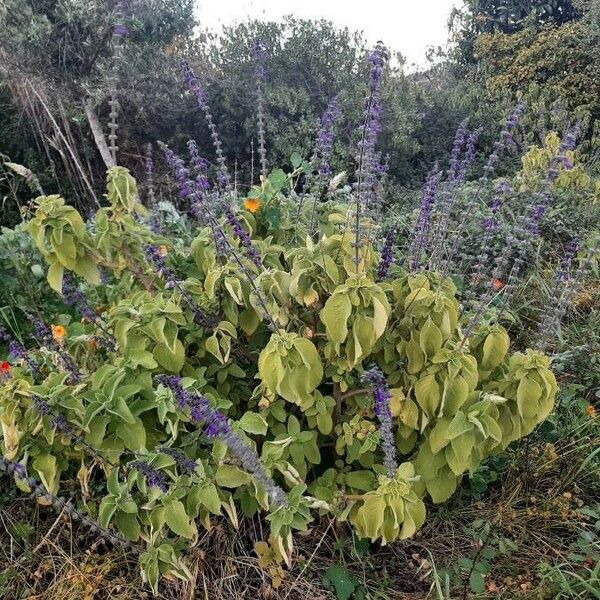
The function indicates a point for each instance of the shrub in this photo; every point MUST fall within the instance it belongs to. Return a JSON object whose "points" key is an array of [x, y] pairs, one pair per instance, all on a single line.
{"points": [[199, 383]]}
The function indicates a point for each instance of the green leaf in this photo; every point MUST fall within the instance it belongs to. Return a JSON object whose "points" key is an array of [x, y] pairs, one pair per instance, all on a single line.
{"points": [[132, 434], [361, 480], [342, 581], [107, 509], [249, 321], [380, 315], [231, 477], [427, 393], [55, 276], [495, 348], [370, 516], [207, 496], [477, 582], [128, 525], [529, 393], [85, 267], [252, 422], [45, 465], [430, 338], [177, 519], [335, 314], [295, 160], [170, 361], [324, 423]]}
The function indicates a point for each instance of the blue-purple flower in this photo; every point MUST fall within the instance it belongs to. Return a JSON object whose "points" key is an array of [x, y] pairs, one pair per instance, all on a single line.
{"points": [[387, 254], [156, 256], [216, 425], [382, 395], [153, 477], [325, 137], [423, 226], [186, 464]]}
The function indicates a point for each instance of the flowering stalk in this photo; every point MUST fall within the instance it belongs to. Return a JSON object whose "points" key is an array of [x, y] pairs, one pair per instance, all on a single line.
{"points": [[505, 141], [531, 228], [321, 157], [325, 136], [387, 254], [193, 84], [202, 210], [366, 173], [423, 226], [187, 465], [154, 478], [243, 236], [565, 287], [119, 32], [150, 174], [155, 256], [62, 505], [217, 425], [460, 138], [489, 226], [60, 423], [382, 395], [259, 55]]}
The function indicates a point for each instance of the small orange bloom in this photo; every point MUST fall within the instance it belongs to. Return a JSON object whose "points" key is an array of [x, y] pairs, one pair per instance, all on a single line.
{"points": [[58, 332], [252, 204], [5, 367], [162, 250], [591, 411], [498, 284]]}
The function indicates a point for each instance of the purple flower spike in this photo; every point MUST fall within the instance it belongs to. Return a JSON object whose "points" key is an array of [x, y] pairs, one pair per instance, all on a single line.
{"points": [[217, 425], [387, 254], [423, 226], [187, 465], [153, 477], [382, 395], [156, 258], [242, 235], [202, 98], [325, 137], [564, 273]]}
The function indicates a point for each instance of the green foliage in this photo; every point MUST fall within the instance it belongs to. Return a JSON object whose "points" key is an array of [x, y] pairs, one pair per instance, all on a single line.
{"points": [[289, 392], [557, 63]]}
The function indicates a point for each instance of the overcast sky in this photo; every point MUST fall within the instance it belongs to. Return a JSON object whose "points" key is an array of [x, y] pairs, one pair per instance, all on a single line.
{"points": [[408, 26]]}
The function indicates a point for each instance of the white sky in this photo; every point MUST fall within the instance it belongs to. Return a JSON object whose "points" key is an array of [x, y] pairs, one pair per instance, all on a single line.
{"points": [[408, 26]]}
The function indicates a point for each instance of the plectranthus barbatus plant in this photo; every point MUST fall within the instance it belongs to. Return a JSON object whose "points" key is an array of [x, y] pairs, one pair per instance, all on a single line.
{"points": [[265, 374]]}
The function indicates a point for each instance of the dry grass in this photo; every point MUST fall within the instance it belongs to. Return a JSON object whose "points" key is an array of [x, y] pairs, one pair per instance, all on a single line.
{"points": [[537, 505]]}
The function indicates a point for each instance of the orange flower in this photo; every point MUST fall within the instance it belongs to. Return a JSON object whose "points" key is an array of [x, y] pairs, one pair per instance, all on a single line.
{"points": [[58, 332], [591, 411], [498, 284], [5, 367], [162, 250], [252, 204]]}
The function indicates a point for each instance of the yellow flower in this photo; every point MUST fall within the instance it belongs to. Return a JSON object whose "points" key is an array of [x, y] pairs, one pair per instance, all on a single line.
{"points": [[591, 411], [162, 250], [58, 332], [252, 204]]}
